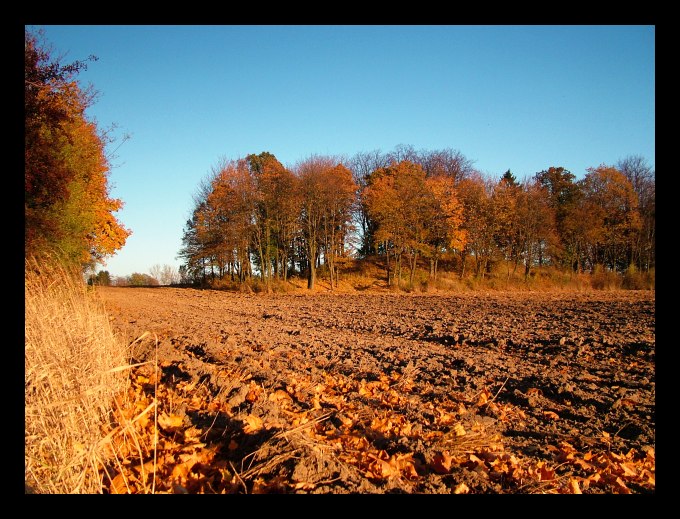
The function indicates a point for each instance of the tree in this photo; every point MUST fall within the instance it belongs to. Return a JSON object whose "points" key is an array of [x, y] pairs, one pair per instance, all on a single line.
{"points": [[535, 225], [641, 175], [327, 194], [264, 167], [400, 202], [612, 206], [165, 274], [480, 222], [67, 205], [445, 163], [446, 233], [564, 197], [362, 165], [102, 278], [169, 275], [340, 198], [141, 280]]}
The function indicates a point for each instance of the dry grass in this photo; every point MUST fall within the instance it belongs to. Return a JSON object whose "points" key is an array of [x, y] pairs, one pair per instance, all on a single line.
{"points": [[74, 367]]}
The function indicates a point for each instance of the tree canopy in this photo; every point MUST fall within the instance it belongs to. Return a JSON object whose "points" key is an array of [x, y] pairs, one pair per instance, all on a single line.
{"points": [[67, 206]]}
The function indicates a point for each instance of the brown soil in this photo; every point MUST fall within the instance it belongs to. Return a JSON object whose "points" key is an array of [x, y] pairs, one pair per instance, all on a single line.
{"points": [[381, 392]]}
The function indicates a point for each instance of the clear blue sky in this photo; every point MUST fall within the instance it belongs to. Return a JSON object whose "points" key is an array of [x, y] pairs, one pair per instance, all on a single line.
{"points": [[522, 98]]}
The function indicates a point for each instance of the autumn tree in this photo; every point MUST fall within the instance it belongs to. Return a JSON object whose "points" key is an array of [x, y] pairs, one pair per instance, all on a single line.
{"points": [[535, 229], [507, 235], [446, 233], [67, 205], [362, 165], [327, 195], [265, 170], [564, 198], [480, 222], [447, 163], [641, 175], [138, 279], [613, 218], [234, 203]]}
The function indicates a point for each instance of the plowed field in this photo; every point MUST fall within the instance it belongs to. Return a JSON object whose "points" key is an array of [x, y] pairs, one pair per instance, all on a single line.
{"points": [[380, 392]]}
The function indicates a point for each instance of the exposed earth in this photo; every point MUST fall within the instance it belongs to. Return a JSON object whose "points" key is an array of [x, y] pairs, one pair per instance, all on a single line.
{"points": [[500, 392]]}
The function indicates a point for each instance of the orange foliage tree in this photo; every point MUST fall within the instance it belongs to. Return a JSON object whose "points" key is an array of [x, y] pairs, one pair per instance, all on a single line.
{"points": [[415, 216], [327, 194], [67, 206]]}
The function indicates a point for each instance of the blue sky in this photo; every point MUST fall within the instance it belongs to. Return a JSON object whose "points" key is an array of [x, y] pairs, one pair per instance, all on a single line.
{"points": [[522, 98]]}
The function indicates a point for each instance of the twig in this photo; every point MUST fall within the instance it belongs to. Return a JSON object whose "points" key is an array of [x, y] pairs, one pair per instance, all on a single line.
{"points": [[497, 392], [245, 488]]}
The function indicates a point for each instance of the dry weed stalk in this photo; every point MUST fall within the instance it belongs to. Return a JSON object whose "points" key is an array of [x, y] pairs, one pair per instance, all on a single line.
{"points": [[74, 367]]}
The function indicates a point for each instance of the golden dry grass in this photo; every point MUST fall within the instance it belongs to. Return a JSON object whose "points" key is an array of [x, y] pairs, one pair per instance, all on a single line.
{"points": [[74, 366]]}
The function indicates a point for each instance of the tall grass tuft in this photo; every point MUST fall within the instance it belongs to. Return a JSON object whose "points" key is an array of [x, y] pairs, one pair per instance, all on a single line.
{"points": [[71, 356]]}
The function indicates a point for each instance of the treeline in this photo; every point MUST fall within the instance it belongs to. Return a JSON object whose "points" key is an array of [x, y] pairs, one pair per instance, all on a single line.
{"points": [[158, 275], [411, 209], [67, 208]]}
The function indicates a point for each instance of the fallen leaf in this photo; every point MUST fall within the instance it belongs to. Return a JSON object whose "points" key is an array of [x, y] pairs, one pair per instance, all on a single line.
{"points": [[441, 463], [574, 486], [628, 469], [459, 430], [253, 424], [170, 423], [118, 485], [623, 489], [461, 488]]}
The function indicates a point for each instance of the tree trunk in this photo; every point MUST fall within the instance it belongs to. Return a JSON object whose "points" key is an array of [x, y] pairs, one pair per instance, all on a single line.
{"points": [[413, 269], [311, 277]]}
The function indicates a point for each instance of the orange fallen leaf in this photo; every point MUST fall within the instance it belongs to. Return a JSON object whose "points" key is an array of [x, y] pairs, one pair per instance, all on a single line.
{"points": [[628, 469], [253, 424], [171, 422], [621, 486], [461, 488], [441, 463], [118, 485], [574, 486]]}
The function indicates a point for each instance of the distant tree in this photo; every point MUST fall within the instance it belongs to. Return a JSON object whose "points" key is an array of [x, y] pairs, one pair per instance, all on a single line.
{"points": [[445, 226], [327, 193], [641, 175], [564, 197], [120, 281], [137, 280], [400, 201], [480, 222], [164, 274], [102, 278], [509, 179], [169, 275], [361, 165], [613, 218], [535, 230], [445, 163], [155, 271], [267, 173]]}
